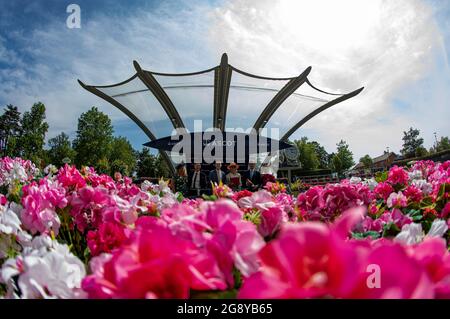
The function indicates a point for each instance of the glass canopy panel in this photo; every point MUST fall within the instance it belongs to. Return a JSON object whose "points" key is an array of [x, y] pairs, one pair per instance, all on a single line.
{"points": [[136, 97], [293, 110], [248, 97], [193, 97]]}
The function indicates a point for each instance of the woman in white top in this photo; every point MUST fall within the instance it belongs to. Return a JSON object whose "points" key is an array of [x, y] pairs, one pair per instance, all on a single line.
{"points": [[233, 178]]}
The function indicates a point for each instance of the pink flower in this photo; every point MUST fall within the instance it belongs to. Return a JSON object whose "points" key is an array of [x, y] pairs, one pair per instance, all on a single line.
{"points": [[383, 190], [3, 200], [311, 260], [372, 225], [260, 200], [40, 204], [445, 211], [108, 237], [398, 176], [153, 263], [400, 276], [275, 187], [413, 193], [245, 193], [331, 201], [396, 217], [307, 260], [433, 255], [87, 204], [233, 240], [69, 177], [397, 200], [271, 220]]}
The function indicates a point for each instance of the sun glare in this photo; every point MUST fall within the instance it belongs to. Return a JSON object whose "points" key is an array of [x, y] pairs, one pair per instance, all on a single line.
{"points": [[330, 24]]}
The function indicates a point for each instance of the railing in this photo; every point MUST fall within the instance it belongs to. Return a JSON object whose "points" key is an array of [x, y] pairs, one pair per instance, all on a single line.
{"points": [[318, 179]]}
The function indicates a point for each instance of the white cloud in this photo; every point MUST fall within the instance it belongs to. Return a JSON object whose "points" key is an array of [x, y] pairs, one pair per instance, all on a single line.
{"points": [[385, 46]]}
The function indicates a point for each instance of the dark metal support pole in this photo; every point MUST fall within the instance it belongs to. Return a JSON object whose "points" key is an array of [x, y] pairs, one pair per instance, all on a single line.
{"points": [[130, 114], [222, 79]]}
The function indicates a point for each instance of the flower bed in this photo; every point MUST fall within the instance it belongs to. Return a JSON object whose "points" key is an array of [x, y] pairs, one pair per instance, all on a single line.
{"points": [[72, 233]]}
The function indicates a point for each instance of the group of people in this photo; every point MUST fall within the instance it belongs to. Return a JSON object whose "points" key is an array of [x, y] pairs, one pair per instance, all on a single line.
{"points": [[198, 182]]}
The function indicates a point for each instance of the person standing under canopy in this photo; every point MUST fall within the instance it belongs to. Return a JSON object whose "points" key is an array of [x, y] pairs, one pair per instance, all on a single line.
{"points": [[181, 179], [197, 181], [217, 175], [252, 178], [233, 178]]}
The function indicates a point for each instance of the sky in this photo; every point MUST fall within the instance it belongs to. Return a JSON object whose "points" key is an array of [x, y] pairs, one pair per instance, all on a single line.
{"points": [[398, 50]]}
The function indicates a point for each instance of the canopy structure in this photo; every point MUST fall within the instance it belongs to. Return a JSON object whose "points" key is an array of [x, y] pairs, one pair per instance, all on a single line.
{"points": [[221, 97]]}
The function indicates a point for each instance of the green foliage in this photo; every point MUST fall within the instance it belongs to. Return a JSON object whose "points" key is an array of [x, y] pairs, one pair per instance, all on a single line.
{"points": [[322, 155], [10, 129], [412, 144], [343, 159], [308, 157], [60, 150], [33, 130], [122, 156], [381, 176], [103, 166], [149, 165], [119, 166], [442, 145], [371, 234], [94, 140], [367, 161]]}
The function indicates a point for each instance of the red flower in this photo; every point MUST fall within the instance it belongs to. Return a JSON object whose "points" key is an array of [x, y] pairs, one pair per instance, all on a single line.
{"points": [[397, 176], [104, 240], [245, 193]]}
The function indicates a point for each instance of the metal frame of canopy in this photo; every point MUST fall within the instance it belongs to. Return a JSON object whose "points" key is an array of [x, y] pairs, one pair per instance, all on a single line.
{"points": [[222, 83]]}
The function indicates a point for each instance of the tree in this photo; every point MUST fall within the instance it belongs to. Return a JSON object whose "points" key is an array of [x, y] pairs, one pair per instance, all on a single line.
{"points": [[412, 143], [60, 150], [307, 157], [443, 144], [367, 161], [93, 141], [336, 163], [10, 129], [146, 163], [149, 165], [33, 129], [162, 169], [322, 155], [343, 159], [122, 156]]}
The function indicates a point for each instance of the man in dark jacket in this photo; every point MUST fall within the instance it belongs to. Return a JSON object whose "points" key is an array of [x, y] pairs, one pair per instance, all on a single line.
{"points": [[217, 175], [197, 182], [252, 178]]}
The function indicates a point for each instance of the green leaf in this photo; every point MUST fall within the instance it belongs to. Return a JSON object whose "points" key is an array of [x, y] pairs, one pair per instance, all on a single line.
{"points": [[390, 230], [227, 294], [372, 234]]}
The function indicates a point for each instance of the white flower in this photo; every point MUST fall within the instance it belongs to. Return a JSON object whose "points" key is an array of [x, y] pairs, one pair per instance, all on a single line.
{"points": [[438, 228], [355, 180], [423, 185], [9, 221], [46, 271], [413, 234], [18, 172], [415, 175], [50, 170], [146, 186], [371, 183]]}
